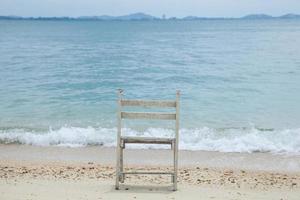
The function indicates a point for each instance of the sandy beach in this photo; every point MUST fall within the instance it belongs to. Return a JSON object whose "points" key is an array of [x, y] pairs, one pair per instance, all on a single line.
{"points": [[29, 172]]}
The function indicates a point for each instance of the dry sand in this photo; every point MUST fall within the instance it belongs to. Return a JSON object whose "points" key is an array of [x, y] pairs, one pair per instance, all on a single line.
{"points": [[28, 172]]}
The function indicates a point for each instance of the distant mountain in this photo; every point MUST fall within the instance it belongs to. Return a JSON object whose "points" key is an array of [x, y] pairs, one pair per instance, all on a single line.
{"points": [[203, 18], [192, 18], [35, 18], [106, 17], [257, 16], [290, 16], [136, 16], [93, 17], [263, 16], [11, 17], [142, 16]]}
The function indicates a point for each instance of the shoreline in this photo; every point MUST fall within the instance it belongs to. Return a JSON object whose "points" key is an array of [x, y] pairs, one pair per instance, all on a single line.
{"points": [[162, 157], [89, 173]]}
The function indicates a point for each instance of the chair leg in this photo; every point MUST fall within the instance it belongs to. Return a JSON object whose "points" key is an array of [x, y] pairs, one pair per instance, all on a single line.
{"points": [[175, 166], [122, 176], [172, 178], [118, 168]]}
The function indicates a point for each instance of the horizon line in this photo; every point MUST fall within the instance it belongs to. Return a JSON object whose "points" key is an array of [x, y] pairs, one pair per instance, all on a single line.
{"points": [[149, 15]]}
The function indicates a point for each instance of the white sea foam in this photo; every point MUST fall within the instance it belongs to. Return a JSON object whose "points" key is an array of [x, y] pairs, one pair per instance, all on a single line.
{"points": [[224, 140]]}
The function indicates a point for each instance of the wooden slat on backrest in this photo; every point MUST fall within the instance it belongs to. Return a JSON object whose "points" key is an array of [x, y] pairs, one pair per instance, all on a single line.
{"points": [[148, 103], [148, 115]]}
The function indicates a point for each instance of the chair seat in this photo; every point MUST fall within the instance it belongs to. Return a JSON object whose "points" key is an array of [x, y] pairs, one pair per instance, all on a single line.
{"points": [[147, 140]]}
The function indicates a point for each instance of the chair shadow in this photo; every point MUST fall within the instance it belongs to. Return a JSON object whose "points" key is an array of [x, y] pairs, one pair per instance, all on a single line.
{"points": [[144, 189]]}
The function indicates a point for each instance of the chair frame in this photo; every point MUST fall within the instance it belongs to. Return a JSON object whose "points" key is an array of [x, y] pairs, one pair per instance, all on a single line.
{"points": [[121, 141]]}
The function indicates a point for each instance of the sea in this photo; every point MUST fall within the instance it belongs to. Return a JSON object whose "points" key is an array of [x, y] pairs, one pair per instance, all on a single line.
{"points": [[239, 81]]}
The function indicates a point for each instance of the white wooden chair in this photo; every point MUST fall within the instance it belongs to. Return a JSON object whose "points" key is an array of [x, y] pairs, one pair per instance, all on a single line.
{"points": [[122, 140]]}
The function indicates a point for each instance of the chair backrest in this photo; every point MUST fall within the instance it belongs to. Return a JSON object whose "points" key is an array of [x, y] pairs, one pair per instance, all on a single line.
{"points": [[148, 115]]}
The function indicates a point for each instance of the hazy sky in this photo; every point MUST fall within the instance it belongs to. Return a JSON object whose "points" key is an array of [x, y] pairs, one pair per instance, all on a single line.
{"points": [[178, 8]]}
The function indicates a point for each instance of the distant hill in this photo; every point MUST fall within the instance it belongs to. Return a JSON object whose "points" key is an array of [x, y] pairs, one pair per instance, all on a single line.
{"points": [[290, 16], [10, 17], [195, 18], [257, 16], [191, 18], [103, 17], [145, 17], [263, 16], [134, 16], [202, 18]]}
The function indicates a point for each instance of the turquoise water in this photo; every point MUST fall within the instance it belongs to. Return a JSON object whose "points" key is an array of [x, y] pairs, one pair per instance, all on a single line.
{"points": [[240, 80]]}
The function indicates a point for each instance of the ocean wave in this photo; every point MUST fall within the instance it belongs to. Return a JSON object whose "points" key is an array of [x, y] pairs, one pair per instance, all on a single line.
{"points": [[210, 139]]}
